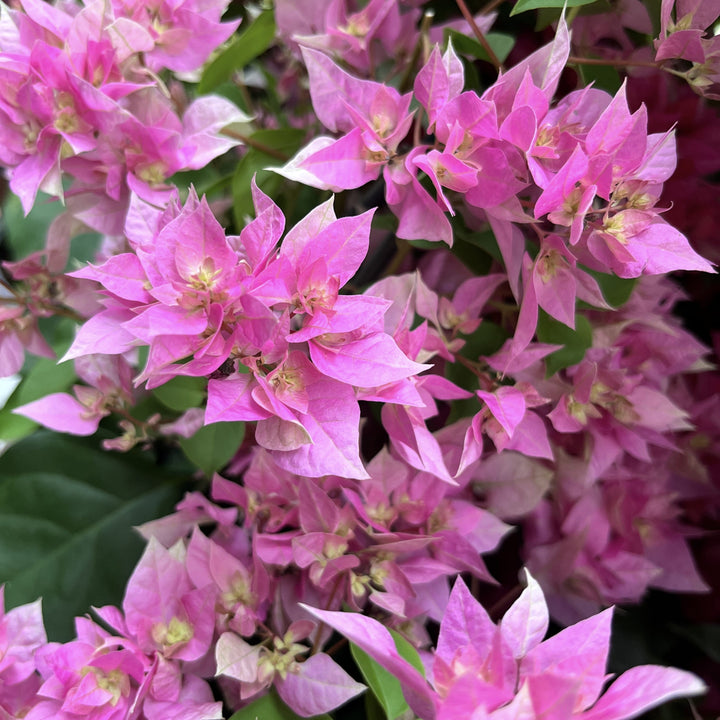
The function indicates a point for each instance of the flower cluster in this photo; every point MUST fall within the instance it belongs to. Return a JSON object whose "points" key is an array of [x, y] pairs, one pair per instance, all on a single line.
{"points": [[507, 671], [512, 381], [80, 99]]}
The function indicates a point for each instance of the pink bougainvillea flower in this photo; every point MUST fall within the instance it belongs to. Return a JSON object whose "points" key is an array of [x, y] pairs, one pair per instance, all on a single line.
{"points": [[22, 635], [508, 671], [315, 686]]}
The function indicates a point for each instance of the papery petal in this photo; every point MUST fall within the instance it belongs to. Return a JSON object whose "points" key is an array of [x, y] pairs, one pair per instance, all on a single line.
{"points": [[319, 686], [372, 637], [63, 413], [525, 623], [642, 688]]}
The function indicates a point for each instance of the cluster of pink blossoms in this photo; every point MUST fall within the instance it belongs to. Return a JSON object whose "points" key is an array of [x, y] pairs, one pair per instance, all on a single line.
{"points": [[236, 594], [84, 117]]}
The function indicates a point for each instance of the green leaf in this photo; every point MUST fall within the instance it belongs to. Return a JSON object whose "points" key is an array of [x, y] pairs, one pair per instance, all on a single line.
{"points": [[486, 340], [615, 290], [603, 77], [285, 141], [484, 239], [45, 377], [408, 652], [212, 446], [27, 234], [385, 686], [476, 250], [241, 49], [67, 509], [500, 43], [182, 392], [576, 342], [525, 5], [270, 707]]}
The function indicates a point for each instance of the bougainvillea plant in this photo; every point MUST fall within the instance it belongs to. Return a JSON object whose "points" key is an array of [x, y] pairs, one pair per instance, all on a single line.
{"points": [[369, 322]]}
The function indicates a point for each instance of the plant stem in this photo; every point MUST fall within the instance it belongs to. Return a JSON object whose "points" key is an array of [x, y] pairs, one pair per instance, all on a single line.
{"points": [[504, 602], [478, 34], [406, 81], [574, 60], [255, 144], [403, 249], [491, 6], [328, 605]]}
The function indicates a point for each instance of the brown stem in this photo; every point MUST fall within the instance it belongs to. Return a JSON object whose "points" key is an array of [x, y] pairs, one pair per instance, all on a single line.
{"points": [[491, 6], [574, 60], [4, 283], [504, 602], [478, 34], [255, 144], [59, 310], [67, 312], [328, 605], [406, 81], [469, 364], [403, 249], [334, 648]]}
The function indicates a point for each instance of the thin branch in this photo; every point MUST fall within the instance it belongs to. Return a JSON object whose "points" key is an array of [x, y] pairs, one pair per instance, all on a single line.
{"points": [[328, 605], [273, 152], [504, 602], [418, 50], [479, 35], [491, 6], [403, 250], [575, 60]]}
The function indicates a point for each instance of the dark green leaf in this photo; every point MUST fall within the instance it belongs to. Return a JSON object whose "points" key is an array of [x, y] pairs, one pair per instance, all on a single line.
{"points": [[241, 49], [603, 77], [182, 392], [524, 5], [615, 290], [385, 686], [426, 244], [67, 509], [550, 15], [576, 342], [27, 234], [500, 43], [45, 377], [476, 251], [270, 707], [212, 446], [486, 340], [484, 239], [285, 141]]}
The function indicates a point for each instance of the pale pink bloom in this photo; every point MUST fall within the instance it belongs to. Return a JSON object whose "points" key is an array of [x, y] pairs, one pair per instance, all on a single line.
{"points": [[22, 635], [507, 671], [312, 687]]}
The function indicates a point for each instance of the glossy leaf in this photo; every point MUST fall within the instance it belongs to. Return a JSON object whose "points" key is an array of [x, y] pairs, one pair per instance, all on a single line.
{"points": [[212, 446], [615, 290], [182, 392], [384, 685], [45, 377], [525, 5], [242, 48], [408, 652], [575, 342], [285, 142], [67, 512], [269, 707], [500, 43]]}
